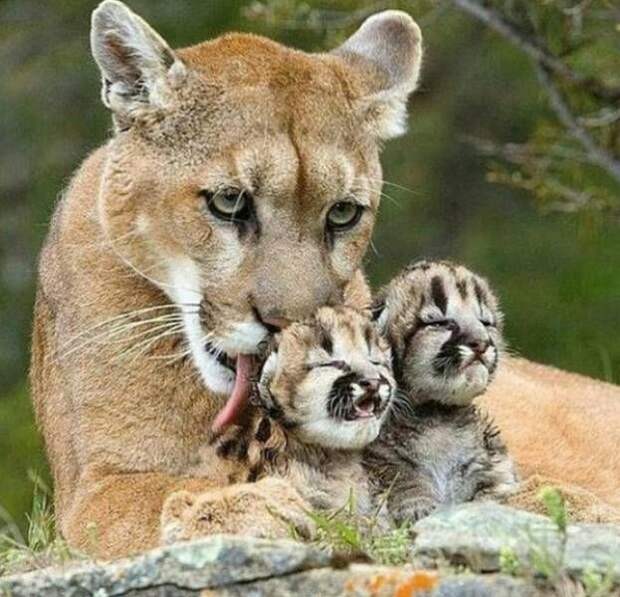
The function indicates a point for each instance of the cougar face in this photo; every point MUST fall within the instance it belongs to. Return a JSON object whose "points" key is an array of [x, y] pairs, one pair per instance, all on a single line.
{"points": [[445, 327], [244, 177], [330, 380]]}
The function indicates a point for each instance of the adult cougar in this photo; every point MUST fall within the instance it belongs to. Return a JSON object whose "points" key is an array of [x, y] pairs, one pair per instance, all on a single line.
{"points": [[238, 192]]}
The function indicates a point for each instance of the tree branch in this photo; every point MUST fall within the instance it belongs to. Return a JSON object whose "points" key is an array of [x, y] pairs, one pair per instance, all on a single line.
{"points": [[540, 55], [596, 154]]}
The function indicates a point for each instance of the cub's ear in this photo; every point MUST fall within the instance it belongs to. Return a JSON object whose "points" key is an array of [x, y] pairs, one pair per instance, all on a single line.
{"points": [[138, 68], [379, 315], [388, 48]]}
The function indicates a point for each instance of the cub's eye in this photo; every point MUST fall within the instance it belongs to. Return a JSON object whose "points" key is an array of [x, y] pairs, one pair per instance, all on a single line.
{"points": [[447, 324], [231, 205], [487, 323], [344, 215]]}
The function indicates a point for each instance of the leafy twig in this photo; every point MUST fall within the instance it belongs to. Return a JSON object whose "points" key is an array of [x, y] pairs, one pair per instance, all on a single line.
{"points": [[596, 153], [534, 50]]}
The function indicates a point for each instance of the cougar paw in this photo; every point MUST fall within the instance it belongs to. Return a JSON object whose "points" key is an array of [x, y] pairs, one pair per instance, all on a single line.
{"points": [[270, 508]]}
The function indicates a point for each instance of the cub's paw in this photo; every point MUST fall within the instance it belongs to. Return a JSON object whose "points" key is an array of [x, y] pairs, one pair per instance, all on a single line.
{"points": [[269, 508], [413, 510]]}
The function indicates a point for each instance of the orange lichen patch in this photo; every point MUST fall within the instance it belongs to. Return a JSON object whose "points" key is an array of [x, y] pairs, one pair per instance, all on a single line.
{"points": [[421, 580], [375, 585]]}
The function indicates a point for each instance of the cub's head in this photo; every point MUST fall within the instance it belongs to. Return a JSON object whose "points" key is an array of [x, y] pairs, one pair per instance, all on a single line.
{"points": [[243, 179], [445, 327], [329, 380]]}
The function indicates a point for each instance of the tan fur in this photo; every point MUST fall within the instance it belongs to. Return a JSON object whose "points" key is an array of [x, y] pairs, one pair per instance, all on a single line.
{"points": [[123, 418], [581, 505], [123, 428], [559, 425]]}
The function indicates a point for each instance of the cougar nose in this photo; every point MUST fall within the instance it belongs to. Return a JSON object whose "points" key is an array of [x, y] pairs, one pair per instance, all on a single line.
{"points": [[478, 345], [276, 323], [273, 324]]}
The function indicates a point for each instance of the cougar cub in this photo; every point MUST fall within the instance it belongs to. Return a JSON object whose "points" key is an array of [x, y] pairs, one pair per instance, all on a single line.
{"points": [[321, 397], [444, 326]]}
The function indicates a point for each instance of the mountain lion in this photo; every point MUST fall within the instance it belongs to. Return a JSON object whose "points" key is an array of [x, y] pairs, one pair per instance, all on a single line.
{"points": [[238, 192]]}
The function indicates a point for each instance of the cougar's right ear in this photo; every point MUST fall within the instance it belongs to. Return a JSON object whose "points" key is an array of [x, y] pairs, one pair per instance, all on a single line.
{"points": [[388, 47], [138, 68]]}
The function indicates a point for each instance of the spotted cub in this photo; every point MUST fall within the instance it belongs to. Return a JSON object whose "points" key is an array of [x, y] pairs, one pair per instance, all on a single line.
{"points": [[321, 397], [445, 329]]}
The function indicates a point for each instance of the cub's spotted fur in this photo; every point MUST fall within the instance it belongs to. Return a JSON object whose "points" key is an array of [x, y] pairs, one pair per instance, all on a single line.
{"points": [[444, 325], [321, 398]]}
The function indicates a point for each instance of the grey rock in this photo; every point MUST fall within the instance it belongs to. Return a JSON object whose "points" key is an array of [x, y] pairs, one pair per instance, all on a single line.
{"points": [[212, 562], [376, 581], [470, 534], [474, 534]]}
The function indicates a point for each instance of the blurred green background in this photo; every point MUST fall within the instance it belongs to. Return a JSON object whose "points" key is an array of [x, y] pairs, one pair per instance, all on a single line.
{"points": [[557, 274]]}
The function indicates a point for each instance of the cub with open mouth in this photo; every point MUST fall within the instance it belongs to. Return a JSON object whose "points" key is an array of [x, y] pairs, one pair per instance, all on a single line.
{"points": [[445, 329], [320, 398]]}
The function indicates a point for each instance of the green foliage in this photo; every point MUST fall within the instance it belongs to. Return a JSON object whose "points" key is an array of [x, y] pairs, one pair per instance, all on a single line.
{"points": [[509, 562], [556, 507], [346, 533], [21, 450], [596, 584], [41, 547], [546, 564]]}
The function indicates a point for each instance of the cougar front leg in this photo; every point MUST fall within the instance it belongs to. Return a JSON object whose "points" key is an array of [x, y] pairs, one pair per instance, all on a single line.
{"points": [[117, 514], [269, 508]]}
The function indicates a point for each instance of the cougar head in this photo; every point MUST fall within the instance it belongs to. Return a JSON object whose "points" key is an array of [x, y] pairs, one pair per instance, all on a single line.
{"points": [[243, 177]]}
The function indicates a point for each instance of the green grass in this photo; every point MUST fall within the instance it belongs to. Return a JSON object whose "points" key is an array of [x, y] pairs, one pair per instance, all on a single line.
{"points": [[21, 447], [40, 546], [547, 567], [347, 534]]}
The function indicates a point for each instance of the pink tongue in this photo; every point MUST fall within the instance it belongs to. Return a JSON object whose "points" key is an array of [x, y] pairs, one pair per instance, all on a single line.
{"points": [[239, 397]]}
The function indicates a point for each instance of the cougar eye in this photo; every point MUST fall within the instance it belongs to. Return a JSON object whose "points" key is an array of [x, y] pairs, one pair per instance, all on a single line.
{"points": [[344, 214], [231, 205]]}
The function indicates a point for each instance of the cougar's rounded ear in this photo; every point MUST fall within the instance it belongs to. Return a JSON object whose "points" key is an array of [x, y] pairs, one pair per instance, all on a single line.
{"points": [[138, 68], [388, 49]]}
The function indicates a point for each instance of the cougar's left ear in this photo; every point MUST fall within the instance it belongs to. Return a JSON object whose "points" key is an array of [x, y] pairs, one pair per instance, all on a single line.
{"points": [[138, 68], [388, 49]]}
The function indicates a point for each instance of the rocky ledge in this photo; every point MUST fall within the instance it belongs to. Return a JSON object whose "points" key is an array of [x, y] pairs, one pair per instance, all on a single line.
{"points": [[474, 550]]}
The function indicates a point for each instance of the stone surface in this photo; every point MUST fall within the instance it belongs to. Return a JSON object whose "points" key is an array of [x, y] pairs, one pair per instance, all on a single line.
{"points": [[472, 534], [212, 562], [378, 581], [475, 534]]}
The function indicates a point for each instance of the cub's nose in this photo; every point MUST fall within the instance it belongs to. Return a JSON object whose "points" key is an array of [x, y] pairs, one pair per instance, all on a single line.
{"points": [[478, 345], [369, 385]]}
